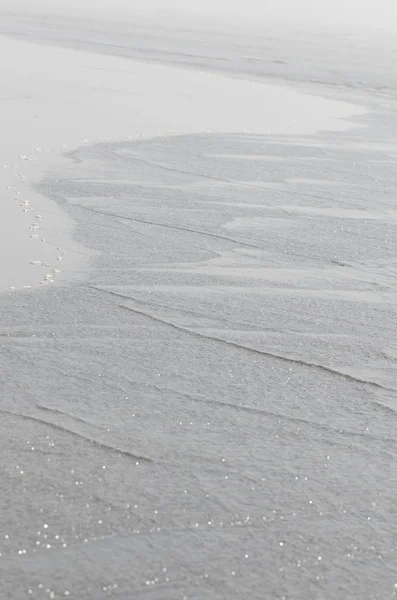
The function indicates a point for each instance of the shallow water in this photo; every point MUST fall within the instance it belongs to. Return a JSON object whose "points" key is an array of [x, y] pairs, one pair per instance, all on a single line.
{"points": [[58, 98], [209, 410]]}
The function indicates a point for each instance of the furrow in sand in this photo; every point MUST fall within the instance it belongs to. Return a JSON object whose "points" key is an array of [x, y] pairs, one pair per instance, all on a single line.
{"points": [[93, 441], [279, 357], [177, 227], [280, 416], [174, 169], [57, 411], [208, 234]]}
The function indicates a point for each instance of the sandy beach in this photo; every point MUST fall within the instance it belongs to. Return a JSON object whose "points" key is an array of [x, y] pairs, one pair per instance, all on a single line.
{"points": [[197, 306], [57, 99]]}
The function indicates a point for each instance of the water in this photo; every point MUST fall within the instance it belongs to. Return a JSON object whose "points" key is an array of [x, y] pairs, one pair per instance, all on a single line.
{"points": [[56, 99], [208, 411]]}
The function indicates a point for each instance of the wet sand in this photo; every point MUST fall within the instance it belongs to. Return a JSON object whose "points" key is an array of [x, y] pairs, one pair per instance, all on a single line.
{"points": [[56, 99], [204, 405]]}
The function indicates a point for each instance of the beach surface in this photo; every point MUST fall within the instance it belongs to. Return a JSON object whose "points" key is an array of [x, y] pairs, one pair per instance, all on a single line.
{"points": [[56, 99], [197, 303]]}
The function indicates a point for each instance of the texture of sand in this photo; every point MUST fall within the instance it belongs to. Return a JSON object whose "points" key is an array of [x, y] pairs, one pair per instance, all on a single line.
{"points": [[202, 405], [55, 99]]}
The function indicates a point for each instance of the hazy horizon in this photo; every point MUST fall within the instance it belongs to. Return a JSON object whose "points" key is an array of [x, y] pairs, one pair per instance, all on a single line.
{"points": [[347, 14]]}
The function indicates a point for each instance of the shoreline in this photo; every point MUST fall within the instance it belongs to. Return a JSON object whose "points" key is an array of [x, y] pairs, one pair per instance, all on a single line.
{"points": [[212, 410], [191, 102]]}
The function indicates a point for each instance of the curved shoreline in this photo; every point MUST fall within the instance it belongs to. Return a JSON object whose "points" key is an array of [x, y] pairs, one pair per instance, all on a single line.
{"points": [[107, 97]]}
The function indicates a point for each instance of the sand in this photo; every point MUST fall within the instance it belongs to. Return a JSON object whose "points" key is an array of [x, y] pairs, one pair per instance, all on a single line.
{"points": [[56, 99], [200, 401]]}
